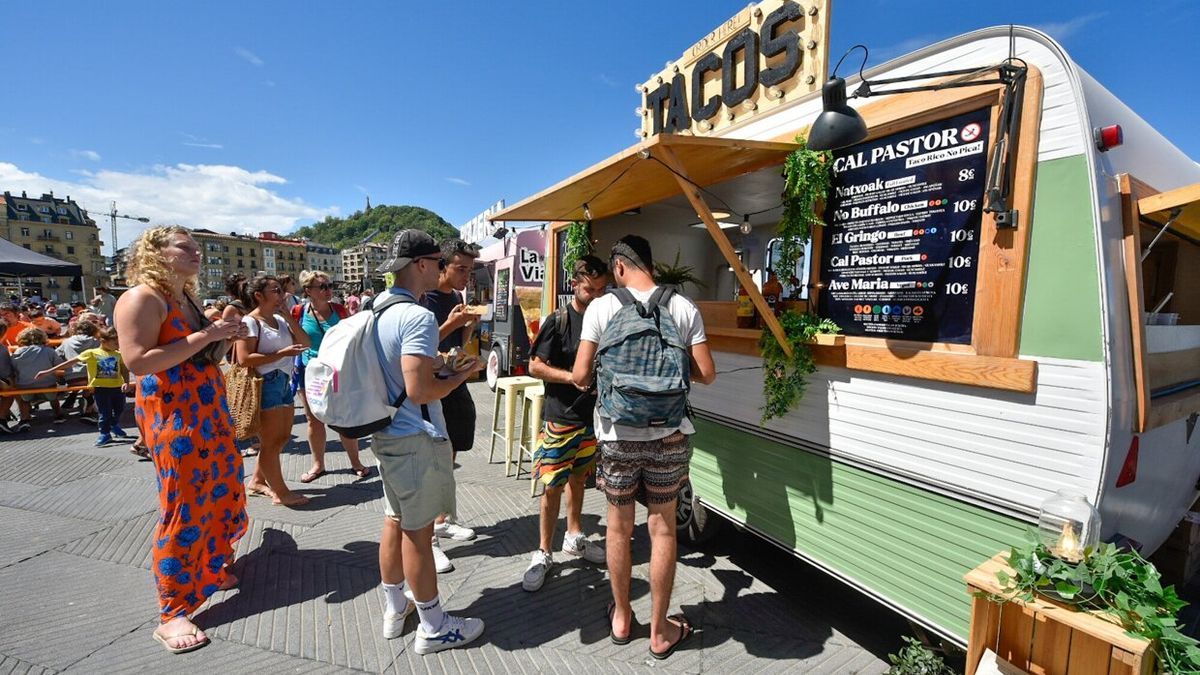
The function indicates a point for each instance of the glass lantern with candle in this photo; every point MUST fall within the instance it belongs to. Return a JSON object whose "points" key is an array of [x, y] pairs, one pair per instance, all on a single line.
{"points": [[1068, 525]]}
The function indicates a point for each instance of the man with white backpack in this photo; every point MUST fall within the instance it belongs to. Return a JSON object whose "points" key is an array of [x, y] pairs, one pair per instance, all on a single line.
{"points": [[413, 452]]}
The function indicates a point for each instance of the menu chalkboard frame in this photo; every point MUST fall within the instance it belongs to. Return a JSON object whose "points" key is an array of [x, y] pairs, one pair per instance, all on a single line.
{"points": [[1002, 256]]}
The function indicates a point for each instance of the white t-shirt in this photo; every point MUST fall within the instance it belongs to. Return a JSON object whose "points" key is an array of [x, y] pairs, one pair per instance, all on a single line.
{"points": [[691, 329], [271, 341]]}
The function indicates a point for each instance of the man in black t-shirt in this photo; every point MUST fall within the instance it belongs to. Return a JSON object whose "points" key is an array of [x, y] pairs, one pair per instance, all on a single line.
{"points": [[446, 303], [566, 446]]}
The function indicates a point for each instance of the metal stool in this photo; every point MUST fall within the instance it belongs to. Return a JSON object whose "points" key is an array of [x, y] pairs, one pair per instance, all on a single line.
{"points": [[531, 425], [511, 388]]}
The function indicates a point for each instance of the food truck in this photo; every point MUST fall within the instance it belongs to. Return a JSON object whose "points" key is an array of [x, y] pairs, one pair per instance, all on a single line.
{"points": [[517, 267], [1013, 257]]}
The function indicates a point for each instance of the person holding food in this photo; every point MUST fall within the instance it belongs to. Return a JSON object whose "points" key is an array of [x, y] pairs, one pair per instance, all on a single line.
{"points": [[454, 320]]}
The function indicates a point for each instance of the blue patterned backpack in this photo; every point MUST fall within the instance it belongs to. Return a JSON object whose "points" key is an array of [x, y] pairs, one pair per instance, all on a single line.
{"points": [[643, 368]]}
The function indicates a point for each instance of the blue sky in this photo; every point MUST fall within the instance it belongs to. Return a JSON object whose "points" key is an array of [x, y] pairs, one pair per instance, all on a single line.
{"points": [[269, 115]]}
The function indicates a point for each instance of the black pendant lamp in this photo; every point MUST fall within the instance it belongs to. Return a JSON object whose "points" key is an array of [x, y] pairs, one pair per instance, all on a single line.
{"points": [[838, 125]]}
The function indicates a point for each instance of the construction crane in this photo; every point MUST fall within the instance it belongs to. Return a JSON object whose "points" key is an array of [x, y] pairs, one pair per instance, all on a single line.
{"points": [[112, 213]]}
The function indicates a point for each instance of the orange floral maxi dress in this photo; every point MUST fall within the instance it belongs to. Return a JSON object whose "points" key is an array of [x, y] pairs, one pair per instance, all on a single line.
{"points": [[185, 422]]}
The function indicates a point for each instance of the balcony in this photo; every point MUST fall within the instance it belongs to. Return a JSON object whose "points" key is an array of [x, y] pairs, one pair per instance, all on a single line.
{"points": [[49, 237]]}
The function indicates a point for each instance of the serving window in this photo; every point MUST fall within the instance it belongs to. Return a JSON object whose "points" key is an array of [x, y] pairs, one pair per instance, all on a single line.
{"points": [[1162, 271]]}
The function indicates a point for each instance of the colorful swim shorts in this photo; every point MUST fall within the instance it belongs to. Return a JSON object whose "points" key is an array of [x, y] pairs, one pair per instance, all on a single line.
{"points": [[564, 450], [655, 470]]}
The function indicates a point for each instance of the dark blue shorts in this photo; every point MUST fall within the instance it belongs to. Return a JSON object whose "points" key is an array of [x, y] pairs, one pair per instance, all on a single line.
{"points": [[277, 390]]}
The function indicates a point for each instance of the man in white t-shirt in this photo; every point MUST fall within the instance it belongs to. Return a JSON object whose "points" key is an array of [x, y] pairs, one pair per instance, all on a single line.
{"points": [[651, 461]]}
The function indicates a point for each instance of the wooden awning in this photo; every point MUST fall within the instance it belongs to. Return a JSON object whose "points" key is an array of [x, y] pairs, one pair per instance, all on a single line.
{"points": [[1161, 208], [635, 177]]}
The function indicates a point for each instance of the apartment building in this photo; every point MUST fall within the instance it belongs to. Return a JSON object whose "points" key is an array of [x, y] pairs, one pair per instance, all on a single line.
{"points": [[225, 254], [59, 228], [283, 256], [326, 259], [360, 262]]}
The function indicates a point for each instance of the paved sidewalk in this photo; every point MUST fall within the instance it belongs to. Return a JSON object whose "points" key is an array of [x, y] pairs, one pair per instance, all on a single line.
{"points": [[76, 593]]}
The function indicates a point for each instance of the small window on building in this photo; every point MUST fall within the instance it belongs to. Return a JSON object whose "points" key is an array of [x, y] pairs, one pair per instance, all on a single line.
{"points": [[71, 250], [70, 234], [22, 207], [43, 209], [27, 247], [62, 210], [24, 231], [49, 248]]}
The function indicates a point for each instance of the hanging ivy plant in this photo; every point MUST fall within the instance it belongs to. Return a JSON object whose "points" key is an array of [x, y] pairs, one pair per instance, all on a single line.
{"points": [[579, 244], [807, 178], [785, 378], [1120, 583]]}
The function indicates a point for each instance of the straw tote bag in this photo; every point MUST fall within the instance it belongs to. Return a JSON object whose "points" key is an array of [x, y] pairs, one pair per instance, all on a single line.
{"points": [[243, 393]]}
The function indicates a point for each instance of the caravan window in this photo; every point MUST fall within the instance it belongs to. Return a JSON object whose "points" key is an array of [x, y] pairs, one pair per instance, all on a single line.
{"points": [[801, 271]]}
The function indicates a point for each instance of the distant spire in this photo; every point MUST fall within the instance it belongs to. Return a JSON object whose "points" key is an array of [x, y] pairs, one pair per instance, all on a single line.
{"points": [[368, 203]]}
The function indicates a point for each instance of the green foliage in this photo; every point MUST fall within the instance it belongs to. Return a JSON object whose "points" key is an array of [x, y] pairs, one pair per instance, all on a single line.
{"points": [[579, 244], [1120, 583], [675, 274], [917, 659], [784, 378], [807, 178], [383, 220]]}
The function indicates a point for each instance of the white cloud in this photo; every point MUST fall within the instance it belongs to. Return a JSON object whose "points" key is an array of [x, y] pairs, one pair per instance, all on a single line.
{"points": [[217, 197], [362, 189], [1063, 30], [269, 83], [458, 181], [886, 53], [249, 56], [606, 80], [214, 146], [87, 154]]}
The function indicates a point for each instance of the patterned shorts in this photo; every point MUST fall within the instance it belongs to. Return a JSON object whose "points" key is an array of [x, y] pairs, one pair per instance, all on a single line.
{"points": [[654, 470], [564, 450]]}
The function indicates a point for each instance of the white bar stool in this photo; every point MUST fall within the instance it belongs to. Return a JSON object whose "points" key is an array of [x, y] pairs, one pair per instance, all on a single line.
{"points": [[511, 388], [531, 426]]}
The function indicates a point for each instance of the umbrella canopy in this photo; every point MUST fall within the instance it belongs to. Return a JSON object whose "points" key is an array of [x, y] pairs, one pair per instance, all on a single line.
{"points": [[19, 261]]}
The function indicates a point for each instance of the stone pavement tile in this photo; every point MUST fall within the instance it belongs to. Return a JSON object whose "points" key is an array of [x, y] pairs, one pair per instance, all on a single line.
{"points": [[41, 463], [137, 652], [292, 604], [59, 608], [349, 537], [28, 533], [13, 489], [323, 505], [135, 468], [94, 498], [12, 666]]}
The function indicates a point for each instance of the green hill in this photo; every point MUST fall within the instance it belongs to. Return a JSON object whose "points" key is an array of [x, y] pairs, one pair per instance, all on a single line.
{"points": [[380, 223]]}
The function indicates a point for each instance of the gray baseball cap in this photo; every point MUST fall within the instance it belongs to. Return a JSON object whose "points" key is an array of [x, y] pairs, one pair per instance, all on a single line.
{"points": [[407, 246]]}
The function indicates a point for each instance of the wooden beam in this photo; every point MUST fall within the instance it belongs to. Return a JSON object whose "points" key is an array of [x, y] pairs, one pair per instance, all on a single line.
{"points": [[1132, 245], [722, 240]]}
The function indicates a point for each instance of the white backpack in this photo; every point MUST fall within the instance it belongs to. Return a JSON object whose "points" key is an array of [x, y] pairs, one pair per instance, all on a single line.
{"points": [[344, 382]]}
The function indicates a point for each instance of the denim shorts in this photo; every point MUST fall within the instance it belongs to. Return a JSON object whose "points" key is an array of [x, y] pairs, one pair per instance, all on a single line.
{"points": [[277, 390]]}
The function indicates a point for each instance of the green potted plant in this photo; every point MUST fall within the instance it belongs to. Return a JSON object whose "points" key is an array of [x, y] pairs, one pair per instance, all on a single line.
{"points": [[676, 275], [785, 378], [579, 244], [806, 181]]}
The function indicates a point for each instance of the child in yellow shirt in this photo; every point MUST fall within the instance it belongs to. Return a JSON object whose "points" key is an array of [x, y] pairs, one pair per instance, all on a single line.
{"points": [[108, 378]]}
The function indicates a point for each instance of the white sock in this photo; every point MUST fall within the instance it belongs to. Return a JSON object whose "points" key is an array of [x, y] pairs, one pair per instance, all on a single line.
{"points": [[431, 615], [393, 595]]}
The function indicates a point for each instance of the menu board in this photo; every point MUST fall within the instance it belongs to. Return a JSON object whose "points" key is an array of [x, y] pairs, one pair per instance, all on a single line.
{"points": [[503, 278], [900, 245]]}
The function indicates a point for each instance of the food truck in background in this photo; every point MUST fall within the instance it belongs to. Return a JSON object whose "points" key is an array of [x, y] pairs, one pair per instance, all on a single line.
{"points": [[517, 271], [991, 357]]}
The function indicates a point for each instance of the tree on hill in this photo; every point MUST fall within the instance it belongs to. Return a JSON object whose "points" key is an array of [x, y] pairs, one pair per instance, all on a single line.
{"points": [[379, 223]]}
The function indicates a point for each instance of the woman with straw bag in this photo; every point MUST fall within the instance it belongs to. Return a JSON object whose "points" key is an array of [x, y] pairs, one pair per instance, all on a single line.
{"points": [[274, 340]]}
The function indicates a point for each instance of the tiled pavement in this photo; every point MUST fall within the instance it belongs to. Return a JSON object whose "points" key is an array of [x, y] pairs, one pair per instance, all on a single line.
{"points": [[76, 594]]}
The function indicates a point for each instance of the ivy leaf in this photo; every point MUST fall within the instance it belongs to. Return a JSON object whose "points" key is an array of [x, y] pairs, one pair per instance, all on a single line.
{"points": [[1067, 590]]}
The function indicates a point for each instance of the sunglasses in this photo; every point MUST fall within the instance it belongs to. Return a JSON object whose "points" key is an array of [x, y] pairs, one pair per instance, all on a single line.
{"points": [[440, 261], [323, 287]]}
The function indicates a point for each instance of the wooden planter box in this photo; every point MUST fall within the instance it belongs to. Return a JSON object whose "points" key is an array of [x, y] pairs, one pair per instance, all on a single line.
{"points": [[1048, 638]]}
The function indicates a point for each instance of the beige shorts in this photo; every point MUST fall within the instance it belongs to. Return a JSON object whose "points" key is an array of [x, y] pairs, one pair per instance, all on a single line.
{"points": [[418, 478]]}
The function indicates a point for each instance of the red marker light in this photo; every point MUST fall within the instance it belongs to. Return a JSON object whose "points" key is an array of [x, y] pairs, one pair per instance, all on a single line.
{"points": [[1109, 137], [1129, 468]]}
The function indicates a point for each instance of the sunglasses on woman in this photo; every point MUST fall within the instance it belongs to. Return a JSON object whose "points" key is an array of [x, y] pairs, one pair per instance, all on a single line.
{"points": [[323, 287]]}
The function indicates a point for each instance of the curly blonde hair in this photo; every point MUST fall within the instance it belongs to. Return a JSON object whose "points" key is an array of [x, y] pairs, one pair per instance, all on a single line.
{"points": [[146, 264], [309, 276]]}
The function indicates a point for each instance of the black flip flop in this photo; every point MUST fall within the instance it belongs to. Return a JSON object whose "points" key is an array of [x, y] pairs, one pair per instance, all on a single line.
{"points": [[685, 632], [612, 608]]}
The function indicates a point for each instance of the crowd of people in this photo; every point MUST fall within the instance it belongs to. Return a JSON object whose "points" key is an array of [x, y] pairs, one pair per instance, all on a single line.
{"points": [[158, 342]]}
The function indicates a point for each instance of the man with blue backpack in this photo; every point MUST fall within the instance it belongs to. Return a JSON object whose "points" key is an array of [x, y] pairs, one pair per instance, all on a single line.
{"points": [[645, 345]]}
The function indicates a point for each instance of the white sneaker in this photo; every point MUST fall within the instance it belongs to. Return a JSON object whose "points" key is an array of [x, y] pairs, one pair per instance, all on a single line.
{"points": [[578, 546], [535, 574], [440, 561], [455, 632], [393, 622], [452, 530]]}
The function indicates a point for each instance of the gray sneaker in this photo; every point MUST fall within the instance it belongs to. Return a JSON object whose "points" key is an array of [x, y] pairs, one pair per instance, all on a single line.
{"points": [[455, 632], [576, 545], [535, 574]]}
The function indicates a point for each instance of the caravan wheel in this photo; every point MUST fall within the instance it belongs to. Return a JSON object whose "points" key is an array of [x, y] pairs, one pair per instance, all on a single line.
{"points": [[493, 366], [694, 523]]}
